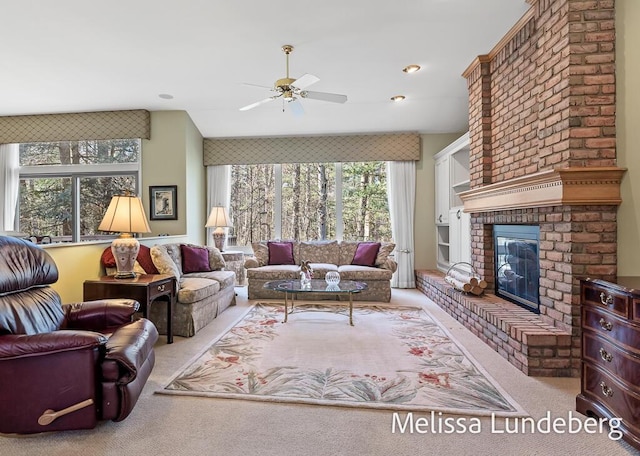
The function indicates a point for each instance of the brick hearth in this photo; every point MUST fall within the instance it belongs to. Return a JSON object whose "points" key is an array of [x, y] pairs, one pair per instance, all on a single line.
{"points": [[520, 336]]}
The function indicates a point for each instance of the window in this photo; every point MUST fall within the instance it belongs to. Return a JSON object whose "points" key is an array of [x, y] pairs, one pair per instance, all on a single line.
{"points": [[309, 201], [65, 187]]}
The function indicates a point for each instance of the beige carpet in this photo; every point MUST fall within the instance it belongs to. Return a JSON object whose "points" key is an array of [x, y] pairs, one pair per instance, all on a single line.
{"points": [[169, 425], [395, 357]]}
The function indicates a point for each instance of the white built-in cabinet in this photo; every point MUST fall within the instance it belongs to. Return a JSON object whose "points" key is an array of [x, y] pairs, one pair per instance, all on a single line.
{"points": [[453, 225]]}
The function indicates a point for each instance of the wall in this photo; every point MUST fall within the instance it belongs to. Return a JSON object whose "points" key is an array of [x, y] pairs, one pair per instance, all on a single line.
{"points": [[628, 134], [424, 225], [173, 156]]}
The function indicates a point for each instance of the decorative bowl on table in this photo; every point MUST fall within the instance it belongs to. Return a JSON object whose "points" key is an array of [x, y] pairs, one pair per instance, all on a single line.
{"points": [[332, 278]]}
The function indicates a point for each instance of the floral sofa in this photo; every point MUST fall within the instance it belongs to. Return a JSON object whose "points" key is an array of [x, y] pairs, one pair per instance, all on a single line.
{"points": [[205, 288], [369, 262]]}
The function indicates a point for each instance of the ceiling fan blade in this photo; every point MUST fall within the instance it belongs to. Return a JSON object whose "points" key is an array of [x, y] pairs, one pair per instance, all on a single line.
{"points": [[305, 81], [324, 96], [257, 85], [258, 103], [296, 107]]}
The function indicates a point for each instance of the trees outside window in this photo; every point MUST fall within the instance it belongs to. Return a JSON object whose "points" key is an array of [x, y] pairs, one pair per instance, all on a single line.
{"points": [[309, 201], [65, 187]]}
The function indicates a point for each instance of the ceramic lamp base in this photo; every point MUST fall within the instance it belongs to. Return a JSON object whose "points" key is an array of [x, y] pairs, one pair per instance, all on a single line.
{"points": [[125, 251], [218, 240]]}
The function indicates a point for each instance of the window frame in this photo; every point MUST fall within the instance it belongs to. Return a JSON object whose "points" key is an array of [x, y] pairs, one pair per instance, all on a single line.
{"points": [[75, 172]]}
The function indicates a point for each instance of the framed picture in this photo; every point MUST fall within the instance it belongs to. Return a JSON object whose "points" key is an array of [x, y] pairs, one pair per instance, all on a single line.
{"points": [[163, 202]]}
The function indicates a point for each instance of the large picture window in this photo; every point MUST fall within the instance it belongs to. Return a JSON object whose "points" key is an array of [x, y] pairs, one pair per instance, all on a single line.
{"points": [[65, 187], [309, 201]]}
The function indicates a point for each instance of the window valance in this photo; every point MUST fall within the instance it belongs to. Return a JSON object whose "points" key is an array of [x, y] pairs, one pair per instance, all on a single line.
{"points": [[312, 149], [75, 126]]}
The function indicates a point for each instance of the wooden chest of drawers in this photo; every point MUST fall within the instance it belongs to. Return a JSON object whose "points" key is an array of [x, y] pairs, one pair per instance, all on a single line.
{"points": [[610, 384]]}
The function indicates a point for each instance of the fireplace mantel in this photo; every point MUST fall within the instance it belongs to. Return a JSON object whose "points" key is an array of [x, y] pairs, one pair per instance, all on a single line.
{"points": [[566, 186]]}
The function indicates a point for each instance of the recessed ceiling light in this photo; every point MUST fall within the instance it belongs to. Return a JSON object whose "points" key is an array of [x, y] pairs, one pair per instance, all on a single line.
{"points": [[411, 68], [398, 98], [166, 96]]}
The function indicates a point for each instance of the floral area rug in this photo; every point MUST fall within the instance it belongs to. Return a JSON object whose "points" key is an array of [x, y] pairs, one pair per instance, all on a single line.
{"points": [[396, 358]]}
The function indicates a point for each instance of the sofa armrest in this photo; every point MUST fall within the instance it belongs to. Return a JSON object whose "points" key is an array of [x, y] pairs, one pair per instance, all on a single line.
{"points": [[390, 264], [100, 314], [250, 263], [21, 345]]}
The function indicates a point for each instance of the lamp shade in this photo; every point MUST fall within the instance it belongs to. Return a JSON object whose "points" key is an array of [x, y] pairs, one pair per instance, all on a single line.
{"points": [[218, 218], [125, 214]]}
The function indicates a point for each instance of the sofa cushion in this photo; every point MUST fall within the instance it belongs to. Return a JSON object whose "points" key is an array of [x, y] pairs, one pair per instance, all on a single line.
{"points": [[321, 269], [194, 289], [366, 254], [163, 261], [275, 272], [194, 259], [364, 273], [280, 253], [224, 278], [347, 251], [318, 252]]}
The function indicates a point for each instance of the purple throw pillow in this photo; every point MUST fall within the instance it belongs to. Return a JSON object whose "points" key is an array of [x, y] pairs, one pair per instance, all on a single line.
{"points": [[194, 259], [280, 253], [366, 254]]}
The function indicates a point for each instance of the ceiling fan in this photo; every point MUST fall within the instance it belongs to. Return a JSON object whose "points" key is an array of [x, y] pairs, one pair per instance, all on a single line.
{"points": [[292, 90]]}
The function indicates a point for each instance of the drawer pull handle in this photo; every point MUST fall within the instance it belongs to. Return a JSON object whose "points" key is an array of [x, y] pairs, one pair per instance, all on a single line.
{"points": [[606, 325], [440, 218], [606, 300], [606, 390], [605, 355], [160, 287]]}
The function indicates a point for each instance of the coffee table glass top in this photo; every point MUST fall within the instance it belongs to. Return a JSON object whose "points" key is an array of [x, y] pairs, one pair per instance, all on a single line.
{"points": [[317, 286]]}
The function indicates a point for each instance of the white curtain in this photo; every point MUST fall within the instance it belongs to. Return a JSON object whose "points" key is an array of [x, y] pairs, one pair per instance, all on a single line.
{"points": [[218, 191], [401, 192], [9, 180]]}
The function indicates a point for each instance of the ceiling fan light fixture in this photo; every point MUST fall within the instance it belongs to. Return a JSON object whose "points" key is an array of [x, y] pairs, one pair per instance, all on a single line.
{"points": [[398, 98], [411, 68]]}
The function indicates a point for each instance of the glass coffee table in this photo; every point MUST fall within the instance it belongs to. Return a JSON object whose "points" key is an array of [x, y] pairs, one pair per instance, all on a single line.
{"points": [[294, 291]]}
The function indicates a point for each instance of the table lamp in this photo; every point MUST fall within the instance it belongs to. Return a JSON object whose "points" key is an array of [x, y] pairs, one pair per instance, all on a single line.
{"points": [[218, 219], [125, 215]]}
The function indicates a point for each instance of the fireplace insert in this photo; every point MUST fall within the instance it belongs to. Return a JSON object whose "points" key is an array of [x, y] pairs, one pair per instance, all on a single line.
{"points": [[517, 264]]}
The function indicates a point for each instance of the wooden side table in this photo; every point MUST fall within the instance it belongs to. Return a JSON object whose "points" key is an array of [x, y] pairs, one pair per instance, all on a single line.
{"points": [[145, 289], [235, 262]]}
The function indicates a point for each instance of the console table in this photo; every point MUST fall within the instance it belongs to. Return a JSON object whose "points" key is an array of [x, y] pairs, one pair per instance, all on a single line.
{"points": [[145, 289]]}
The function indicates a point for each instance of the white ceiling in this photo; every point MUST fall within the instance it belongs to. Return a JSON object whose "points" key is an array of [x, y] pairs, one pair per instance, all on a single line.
{"points": [[79, 55]]}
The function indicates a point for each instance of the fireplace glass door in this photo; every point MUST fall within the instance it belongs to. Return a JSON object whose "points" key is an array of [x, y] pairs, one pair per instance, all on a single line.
{"points": [[518, 264]]}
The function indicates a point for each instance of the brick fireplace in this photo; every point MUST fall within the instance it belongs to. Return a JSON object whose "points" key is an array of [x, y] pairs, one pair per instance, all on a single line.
{"points": [[543, 152]]}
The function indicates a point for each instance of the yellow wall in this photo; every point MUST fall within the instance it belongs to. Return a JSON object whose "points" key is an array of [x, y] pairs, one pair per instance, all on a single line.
{"points": [[173, 156], [424, 230], [628, 133]]}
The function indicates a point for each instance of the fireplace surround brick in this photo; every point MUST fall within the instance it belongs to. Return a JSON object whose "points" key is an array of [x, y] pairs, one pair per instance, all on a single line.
{"points": [[542, 100]]}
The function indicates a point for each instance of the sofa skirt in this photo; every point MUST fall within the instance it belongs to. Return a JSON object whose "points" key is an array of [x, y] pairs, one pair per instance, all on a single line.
{"points": [[190, 318]]}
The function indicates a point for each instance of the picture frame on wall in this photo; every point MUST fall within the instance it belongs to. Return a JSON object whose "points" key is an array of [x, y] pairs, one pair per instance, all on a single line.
{"points": [[163, 202]]}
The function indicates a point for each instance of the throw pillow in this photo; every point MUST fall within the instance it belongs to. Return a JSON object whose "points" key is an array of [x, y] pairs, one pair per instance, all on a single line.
{"points": [[366, 254], [144, 258], [216, 260], [385, 251], [280, 253], [194, 259], [163, 261], [261, 252]]}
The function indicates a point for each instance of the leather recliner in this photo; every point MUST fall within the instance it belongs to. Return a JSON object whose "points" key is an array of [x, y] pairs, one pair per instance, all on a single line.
{"points": [[64, 366]]}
